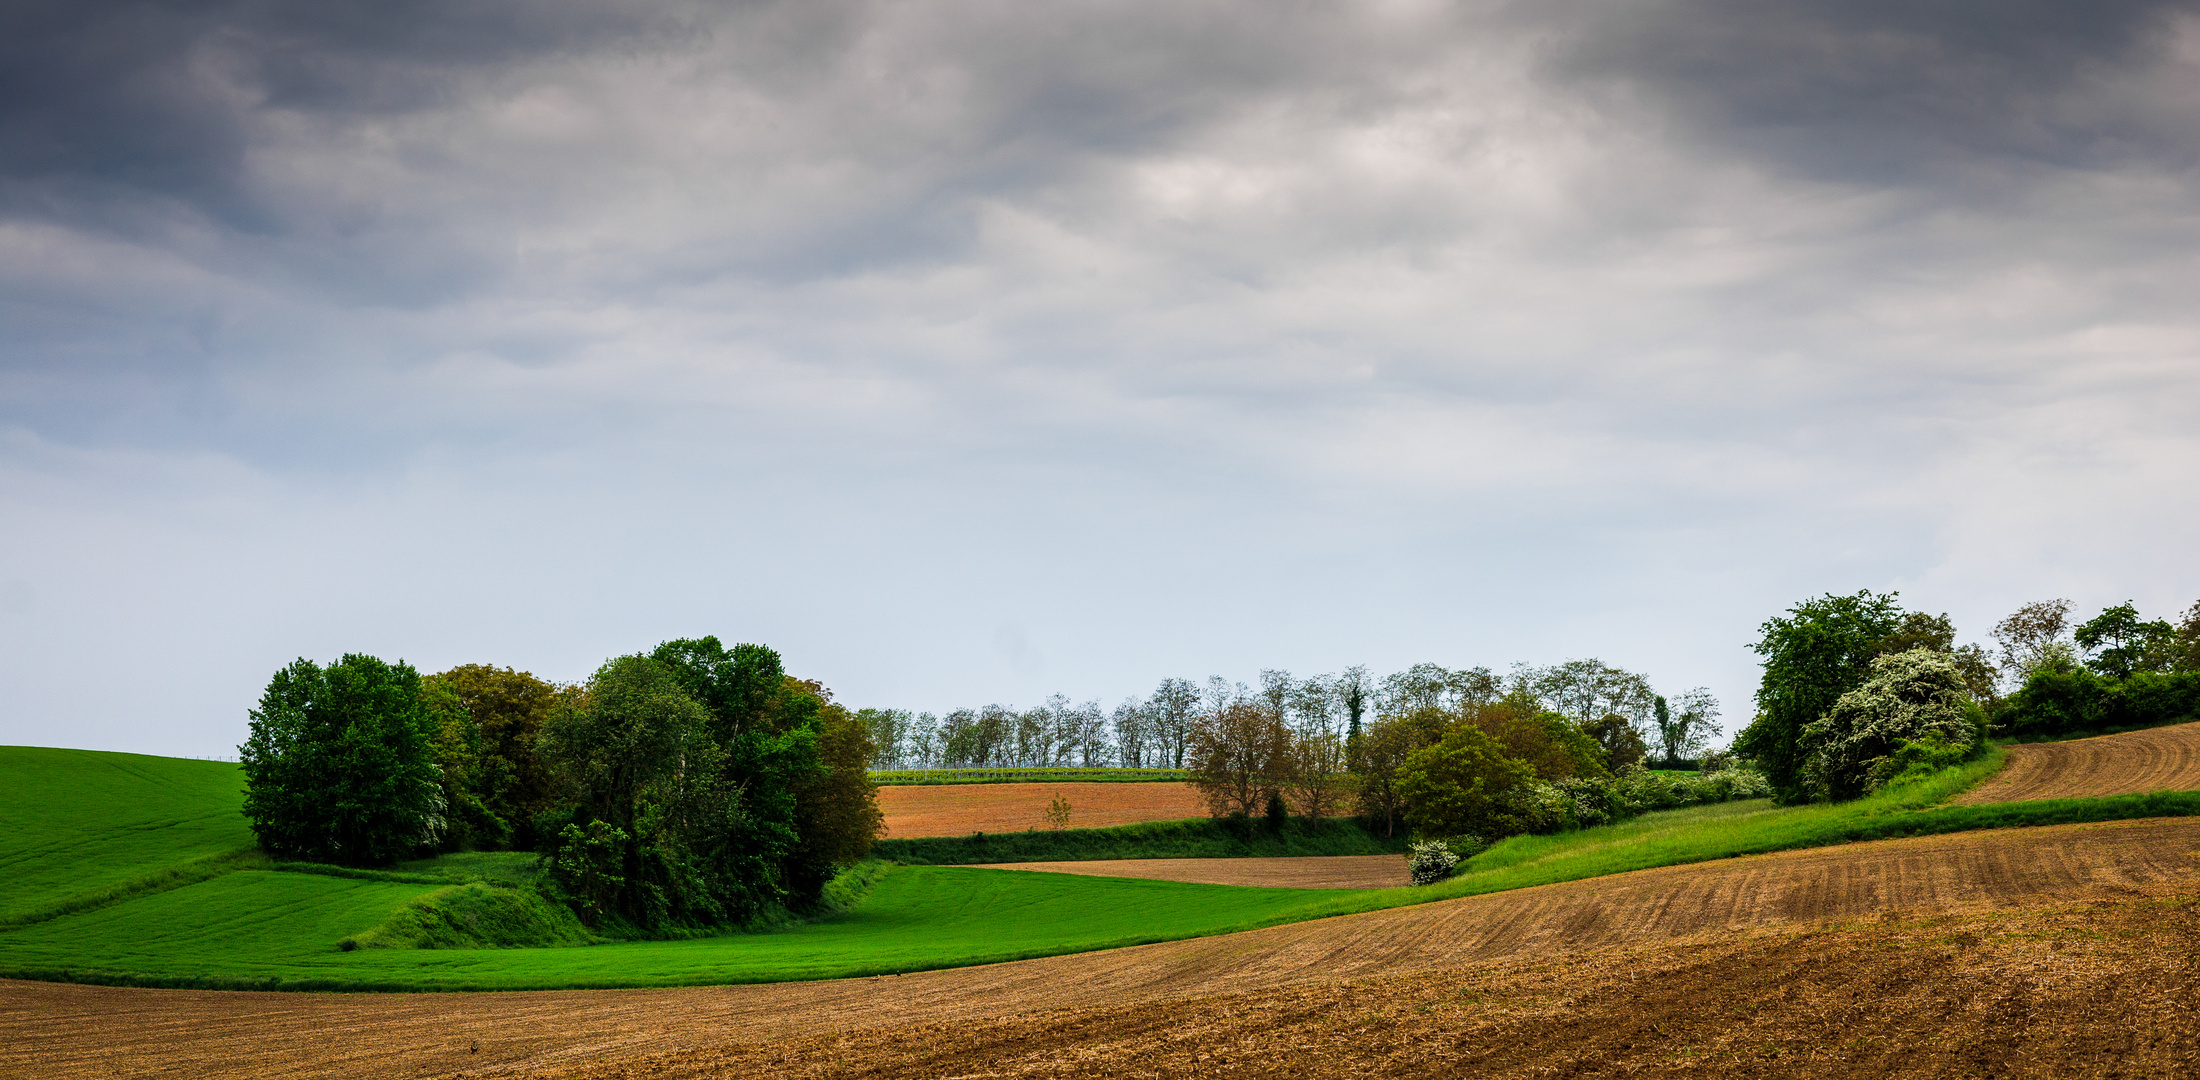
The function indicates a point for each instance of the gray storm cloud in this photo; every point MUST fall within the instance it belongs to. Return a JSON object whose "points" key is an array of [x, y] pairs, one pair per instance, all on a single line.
{"points": [[1180, 338]]}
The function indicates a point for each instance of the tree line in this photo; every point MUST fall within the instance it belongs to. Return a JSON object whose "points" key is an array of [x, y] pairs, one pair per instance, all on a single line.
{"points": [[692, 785], [1856, 691], [1618, 708]]}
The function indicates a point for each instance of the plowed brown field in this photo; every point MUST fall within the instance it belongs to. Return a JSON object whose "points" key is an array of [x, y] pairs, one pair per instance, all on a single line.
{"points": [[962, 809], [60, 1030], [1300, 872], [2104, 988], [2158, 759]]}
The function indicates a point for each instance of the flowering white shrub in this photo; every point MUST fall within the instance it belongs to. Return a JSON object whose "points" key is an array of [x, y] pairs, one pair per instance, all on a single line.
{"points": [[1430, 861], [1914, 695]]}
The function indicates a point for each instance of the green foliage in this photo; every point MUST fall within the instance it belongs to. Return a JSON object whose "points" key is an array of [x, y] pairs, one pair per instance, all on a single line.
{"points": [[641, 771], [506, 783], [2060, 700], [1821, 649], [473, 916], [1464, 783], [1911, 695], [339, 766], [1191, 838], [2118, 644]]}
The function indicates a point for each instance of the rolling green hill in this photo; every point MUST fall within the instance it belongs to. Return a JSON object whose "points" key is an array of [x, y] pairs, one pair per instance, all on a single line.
{"points": [[78, 824]]}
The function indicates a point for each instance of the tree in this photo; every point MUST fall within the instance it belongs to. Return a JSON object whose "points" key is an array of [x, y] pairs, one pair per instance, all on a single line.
{"points": [[1615, 707], [2032, 636], [1548, 743], [508, 708], [468, 823], [1133, 731], [1314, 705], [1914, 695], [2117, 643], [1315, 779], [837, 815], [1432, 686], [1466, 783], [339, 764], [1174, 713], [1239, 757], [1821, 649], [641, 773], [1686, 726], [1376, 756], [1355, 691], [1936, 632]]}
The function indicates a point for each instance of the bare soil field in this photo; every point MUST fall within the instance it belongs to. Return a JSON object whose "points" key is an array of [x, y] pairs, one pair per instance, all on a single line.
{"points": [[1298, 872], [962, 809], [1132, 1000], [2101, 988], [2157, 759]]}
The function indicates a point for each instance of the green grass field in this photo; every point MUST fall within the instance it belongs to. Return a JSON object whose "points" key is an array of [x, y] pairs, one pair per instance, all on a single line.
{"points": [[130, 872], [78, 825]]}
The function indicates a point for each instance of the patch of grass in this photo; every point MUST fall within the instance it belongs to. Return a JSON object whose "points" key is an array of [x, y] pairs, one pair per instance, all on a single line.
{"points": [[473, 916], [920, 777], [79, 825], [254, 929], [1190, 838]]}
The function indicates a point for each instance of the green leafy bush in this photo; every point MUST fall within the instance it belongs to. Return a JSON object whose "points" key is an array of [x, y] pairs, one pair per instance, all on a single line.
{"points": [[1466, 783]]}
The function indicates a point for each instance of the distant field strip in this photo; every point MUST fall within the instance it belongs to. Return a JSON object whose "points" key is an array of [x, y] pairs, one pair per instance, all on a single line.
{"points": [[2157, 759], [1305, 872], [70, 1031], [962, 809]]}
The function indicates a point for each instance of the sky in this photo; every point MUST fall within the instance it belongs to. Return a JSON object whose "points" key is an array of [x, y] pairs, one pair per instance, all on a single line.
{"points": [[971, 352]]}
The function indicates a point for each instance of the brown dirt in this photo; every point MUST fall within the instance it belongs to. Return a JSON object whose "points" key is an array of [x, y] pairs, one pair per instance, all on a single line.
{"points": [[962, 809], [2105, 988], [60, 1030], [1299, 872], [2158, 759]]}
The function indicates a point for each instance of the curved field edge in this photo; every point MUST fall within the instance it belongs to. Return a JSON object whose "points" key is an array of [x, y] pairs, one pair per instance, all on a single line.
{"points": [[1533, 861]]}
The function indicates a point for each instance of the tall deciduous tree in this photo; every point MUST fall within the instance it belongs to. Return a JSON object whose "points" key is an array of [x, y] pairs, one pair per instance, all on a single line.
{"points": [[1240, 756], [1821, 649], [339, 764], [1687, 724], [1355, 692], [509, 709]]}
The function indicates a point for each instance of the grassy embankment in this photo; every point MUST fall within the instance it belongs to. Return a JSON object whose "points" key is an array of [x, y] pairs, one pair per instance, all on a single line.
{"points": [[262, 927], [921, 777]]}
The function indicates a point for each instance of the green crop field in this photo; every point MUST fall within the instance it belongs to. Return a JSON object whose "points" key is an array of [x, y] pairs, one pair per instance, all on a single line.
{"points": [[128, 869], [78, 824], [269, 929]]}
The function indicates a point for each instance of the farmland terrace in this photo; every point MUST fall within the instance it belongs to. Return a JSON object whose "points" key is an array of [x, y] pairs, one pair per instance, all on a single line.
{"points": [[1991, 952]]}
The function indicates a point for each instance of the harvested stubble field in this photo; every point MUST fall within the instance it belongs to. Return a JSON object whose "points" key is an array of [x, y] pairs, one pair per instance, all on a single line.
{"points": [[1288, 872], [959, 810], [2157, 759], [1742, 980]]}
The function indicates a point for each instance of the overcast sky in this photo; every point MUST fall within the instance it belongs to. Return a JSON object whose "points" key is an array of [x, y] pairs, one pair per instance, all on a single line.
{"points": [[969, 352]]}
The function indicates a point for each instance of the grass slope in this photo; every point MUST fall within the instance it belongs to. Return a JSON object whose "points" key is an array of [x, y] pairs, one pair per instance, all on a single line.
{"points": [[258, 929], [1191, 838], [77, 826]]}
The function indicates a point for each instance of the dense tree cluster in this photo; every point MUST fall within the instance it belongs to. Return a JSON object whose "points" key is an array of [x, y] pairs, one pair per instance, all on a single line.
{"points": [[694, 785], [1855, 690]]}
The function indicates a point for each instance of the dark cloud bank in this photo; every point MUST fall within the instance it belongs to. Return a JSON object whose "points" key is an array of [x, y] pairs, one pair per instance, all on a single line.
{"points": [[1150, 340]]}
